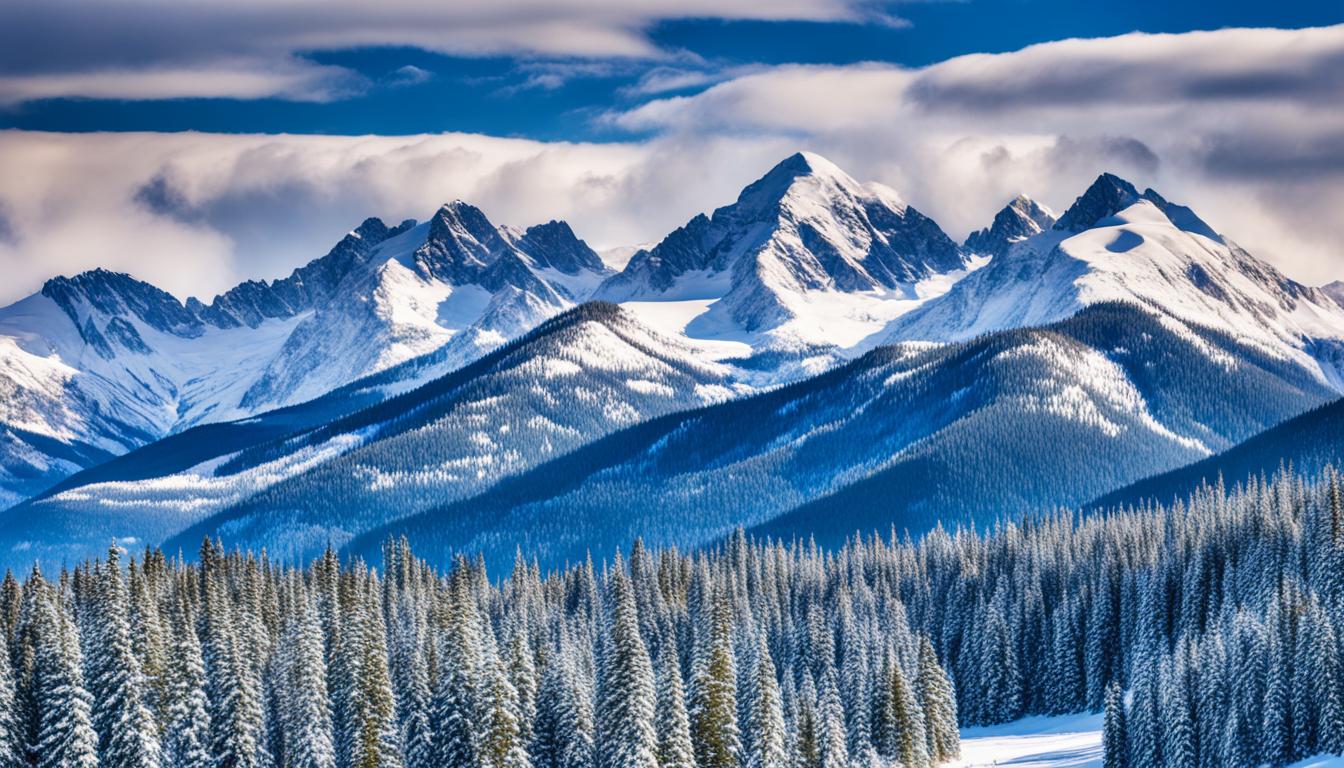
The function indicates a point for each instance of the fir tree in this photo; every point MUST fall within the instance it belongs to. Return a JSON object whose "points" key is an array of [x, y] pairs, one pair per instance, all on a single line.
{"points": [[766, 719], [186, 738], [127, 732], [713, 707], [675, 749], [626, 734], [65, 737], [1113, 737]]}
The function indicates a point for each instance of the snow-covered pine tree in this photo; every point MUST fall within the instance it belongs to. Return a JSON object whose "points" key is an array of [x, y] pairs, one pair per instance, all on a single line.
{"points": [[832, 737], [186, 735], [938, 701], [675, 749], [375, 742], [307, 714], [501, 744], [766, 719], [713, 706], [1113, 737], [235, 701], [128, 735], [910, 740], [459, 675], [11, 732], [626, 736], [65, 737]]}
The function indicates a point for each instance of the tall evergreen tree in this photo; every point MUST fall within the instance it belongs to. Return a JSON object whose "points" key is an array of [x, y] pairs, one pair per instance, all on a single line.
{"points": [[65, 737], [766, 719], [1114, 751], [186, 737], [128, 735], [625, 724], [675, 749], [713, 707], [938, 701]]}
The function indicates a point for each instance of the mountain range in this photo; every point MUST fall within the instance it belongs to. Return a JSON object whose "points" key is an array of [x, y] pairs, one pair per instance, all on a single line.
{"points": [[814, 358]]}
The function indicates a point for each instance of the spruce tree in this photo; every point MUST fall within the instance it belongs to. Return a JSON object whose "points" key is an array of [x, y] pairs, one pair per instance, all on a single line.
{"points": [[455, 695], [938, 701], [675, 749], [766, 719], [625, 720], [307, 716], [11, 733], [186, 737], [128, 735], [1115, 751], [713, 707], [65, 737]]}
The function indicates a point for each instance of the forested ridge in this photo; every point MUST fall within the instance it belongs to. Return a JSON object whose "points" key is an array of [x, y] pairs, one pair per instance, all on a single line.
{"points": [[1209, 632]]}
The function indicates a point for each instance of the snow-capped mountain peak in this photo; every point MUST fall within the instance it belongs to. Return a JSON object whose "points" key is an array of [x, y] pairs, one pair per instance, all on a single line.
{"points": [[100, 362], [805, 240], [1020, 219], [1116, 244], [1107, 196]]}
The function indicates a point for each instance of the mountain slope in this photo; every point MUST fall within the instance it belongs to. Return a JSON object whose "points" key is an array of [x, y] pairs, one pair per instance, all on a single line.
{"points": [[101, 363], [1307, 442], [1335, 291], [806, 256], [1002, 424], [294, 479], [1115, 244]]}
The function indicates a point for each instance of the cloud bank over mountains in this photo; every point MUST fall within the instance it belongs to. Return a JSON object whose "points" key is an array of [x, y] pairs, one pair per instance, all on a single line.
{"points": [[1244, 120]]}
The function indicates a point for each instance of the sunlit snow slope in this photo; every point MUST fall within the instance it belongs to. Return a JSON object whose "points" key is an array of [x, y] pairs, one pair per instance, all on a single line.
{"points": [[100, 363], [1115, 244], [292, 481]]}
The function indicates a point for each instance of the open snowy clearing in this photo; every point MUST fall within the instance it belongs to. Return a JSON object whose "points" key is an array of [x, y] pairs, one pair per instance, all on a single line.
{"points": [[1067, 741], [1035, 742]]}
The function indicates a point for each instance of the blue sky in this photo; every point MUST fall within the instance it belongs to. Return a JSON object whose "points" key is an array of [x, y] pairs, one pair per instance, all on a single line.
{"points": [[197, 144], [406, 90]]}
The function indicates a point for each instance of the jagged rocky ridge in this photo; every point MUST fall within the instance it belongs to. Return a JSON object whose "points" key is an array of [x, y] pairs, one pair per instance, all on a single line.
{"points": [[100, 363], [1115, 244]]}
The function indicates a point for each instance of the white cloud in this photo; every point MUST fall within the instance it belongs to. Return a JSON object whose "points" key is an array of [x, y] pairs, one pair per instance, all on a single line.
{"points": [[1253, 141], [1243, 124], [151, 49], [292, 79]]}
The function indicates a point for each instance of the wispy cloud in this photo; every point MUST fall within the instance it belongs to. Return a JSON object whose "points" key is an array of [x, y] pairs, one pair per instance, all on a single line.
{"points": [[148, 49], [409, 75]]}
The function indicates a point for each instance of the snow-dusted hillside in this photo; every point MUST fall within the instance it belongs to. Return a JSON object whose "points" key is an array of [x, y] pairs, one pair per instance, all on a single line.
{"points": [[806, 257], [300, 478], [97, 364], [1115, 244], [906, 436]]}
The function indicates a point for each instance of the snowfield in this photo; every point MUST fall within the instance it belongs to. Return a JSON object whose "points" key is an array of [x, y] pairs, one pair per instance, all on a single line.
{"points": [[1035, 742], [1067, 741]]}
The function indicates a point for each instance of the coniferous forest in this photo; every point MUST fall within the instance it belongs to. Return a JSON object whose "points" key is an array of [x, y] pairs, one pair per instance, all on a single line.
{"points": [[1210, 632]]}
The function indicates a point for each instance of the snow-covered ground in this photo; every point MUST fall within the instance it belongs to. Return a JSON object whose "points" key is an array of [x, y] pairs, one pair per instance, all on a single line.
{"points": [[1067, 741]]}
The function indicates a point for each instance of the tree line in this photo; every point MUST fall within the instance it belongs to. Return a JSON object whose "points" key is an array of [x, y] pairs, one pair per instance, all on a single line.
{"points": [[1208, 631]]}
